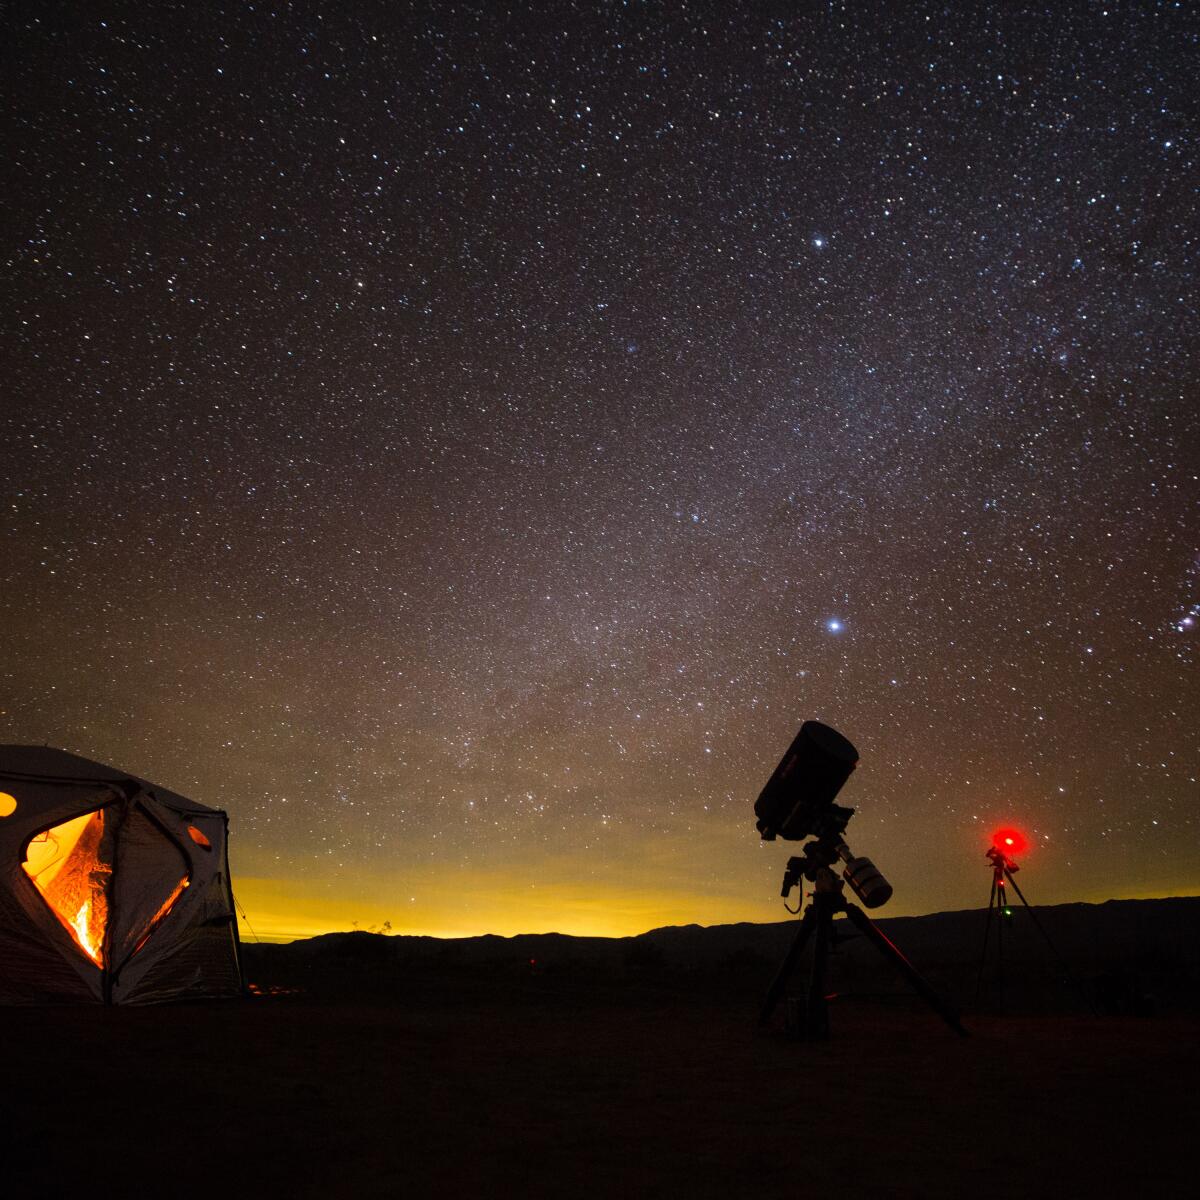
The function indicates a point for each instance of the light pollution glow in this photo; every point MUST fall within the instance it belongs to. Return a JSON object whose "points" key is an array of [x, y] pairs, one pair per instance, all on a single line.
{"points": [[549, 895]]}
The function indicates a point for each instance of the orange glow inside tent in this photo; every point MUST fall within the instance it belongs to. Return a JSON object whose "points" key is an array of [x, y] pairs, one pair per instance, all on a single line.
{"points": [[70, 864], [166, 906]]}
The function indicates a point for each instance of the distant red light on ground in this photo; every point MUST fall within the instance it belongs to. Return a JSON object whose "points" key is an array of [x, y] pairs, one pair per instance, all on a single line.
{"points": [[1010, 842], [272, 989]]}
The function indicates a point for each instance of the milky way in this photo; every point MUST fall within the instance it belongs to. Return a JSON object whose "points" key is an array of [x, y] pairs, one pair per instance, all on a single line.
{"points": [[464, 442]]}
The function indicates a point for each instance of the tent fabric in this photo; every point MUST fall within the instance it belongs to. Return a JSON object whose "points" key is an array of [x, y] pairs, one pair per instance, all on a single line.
{"points": [[146, 875], [112, 890]]}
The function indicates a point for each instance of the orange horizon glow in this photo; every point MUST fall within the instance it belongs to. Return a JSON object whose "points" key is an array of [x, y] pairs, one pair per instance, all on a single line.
{"points": [[290, 910], [653, 885], [278, 927]]}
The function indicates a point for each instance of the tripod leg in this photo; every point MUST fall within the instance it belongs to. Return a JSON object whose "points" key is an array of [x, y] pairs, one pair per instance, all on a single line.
{"points": [[1001, 905], [816, 1011], [779, 983], [1053, 949], [888, 949], [987, 933]]}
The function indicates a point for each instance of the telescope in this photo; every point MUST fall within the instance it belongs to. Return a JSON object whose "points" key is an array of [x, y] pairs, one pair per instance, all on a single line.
{"points": [[798, 804]]}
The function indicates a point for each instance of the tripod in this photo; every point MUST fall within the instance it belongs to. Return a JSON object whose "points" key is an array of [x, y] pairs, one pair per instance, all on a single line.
{"points": [[1003, 868], [828, 900]]}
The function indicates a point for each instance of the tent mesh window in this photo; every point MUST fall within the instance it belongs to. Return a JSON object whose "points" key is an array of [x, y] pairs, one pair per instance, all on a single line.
{"points": [[71, 866]]}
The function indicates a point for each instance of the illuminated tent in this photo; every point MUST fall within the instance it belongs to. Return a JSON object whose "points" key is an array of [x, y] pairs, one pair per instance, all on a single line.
{"points": [[112, 890]]}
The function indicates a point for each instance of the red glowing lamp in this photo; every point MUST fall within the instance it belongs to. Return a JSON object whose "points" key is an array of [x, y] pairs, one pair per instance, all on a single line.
{"points": [[1010, 842]]}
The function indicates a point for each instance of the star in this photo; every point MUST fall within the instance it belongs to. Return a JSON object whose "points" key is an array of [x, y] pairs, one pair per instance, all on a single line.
{"points": [[436, 579]]}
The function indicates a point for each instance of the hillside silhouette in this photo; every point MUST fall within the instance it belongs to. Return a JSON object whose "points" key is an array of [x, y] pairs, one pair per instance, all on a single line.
{"points": [[1123, 956]]}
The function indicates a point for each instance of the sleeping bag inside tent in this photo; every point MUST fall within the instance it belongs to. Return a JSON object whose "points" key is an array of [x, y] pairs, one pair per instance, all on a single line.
{"points": [[112, 890]]}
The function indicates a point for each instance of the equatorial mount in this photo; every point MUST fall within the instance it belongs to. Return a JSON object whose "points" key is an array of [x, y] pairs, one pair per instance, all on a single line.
{"points": [[865, 880]]}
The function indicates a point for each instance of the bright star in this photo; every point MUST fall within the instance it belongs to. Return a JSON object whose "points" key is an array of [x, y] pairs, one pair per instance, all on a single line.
{"points": [[833, 625]]}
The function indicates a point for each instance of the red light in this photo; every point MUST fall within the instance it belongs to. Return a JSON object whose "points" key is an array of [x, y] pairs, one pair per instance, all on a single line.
{"points": [[1010, 841]]}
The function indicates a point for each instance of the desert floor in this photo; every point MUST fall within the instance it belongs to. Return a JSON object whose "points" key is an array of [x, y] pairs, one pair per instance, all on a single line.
{"points": [[552, 1089]]}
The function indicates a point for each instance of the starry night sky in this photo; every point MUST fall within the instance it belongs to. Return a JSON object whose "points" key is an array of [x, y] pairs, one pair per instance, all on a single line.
{"points": [[465, 441]]}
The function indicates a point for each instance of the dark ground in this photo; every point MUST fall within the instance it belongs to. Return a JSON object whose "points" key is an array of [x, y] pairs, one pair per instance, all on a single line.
{"points": [[556, 1086]]}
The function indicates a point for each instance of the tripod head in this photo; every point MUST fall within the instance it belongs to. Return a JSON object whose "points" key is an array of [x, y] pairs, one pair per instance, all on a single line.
{"points": [[1000, 861], [1006, 843]]}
